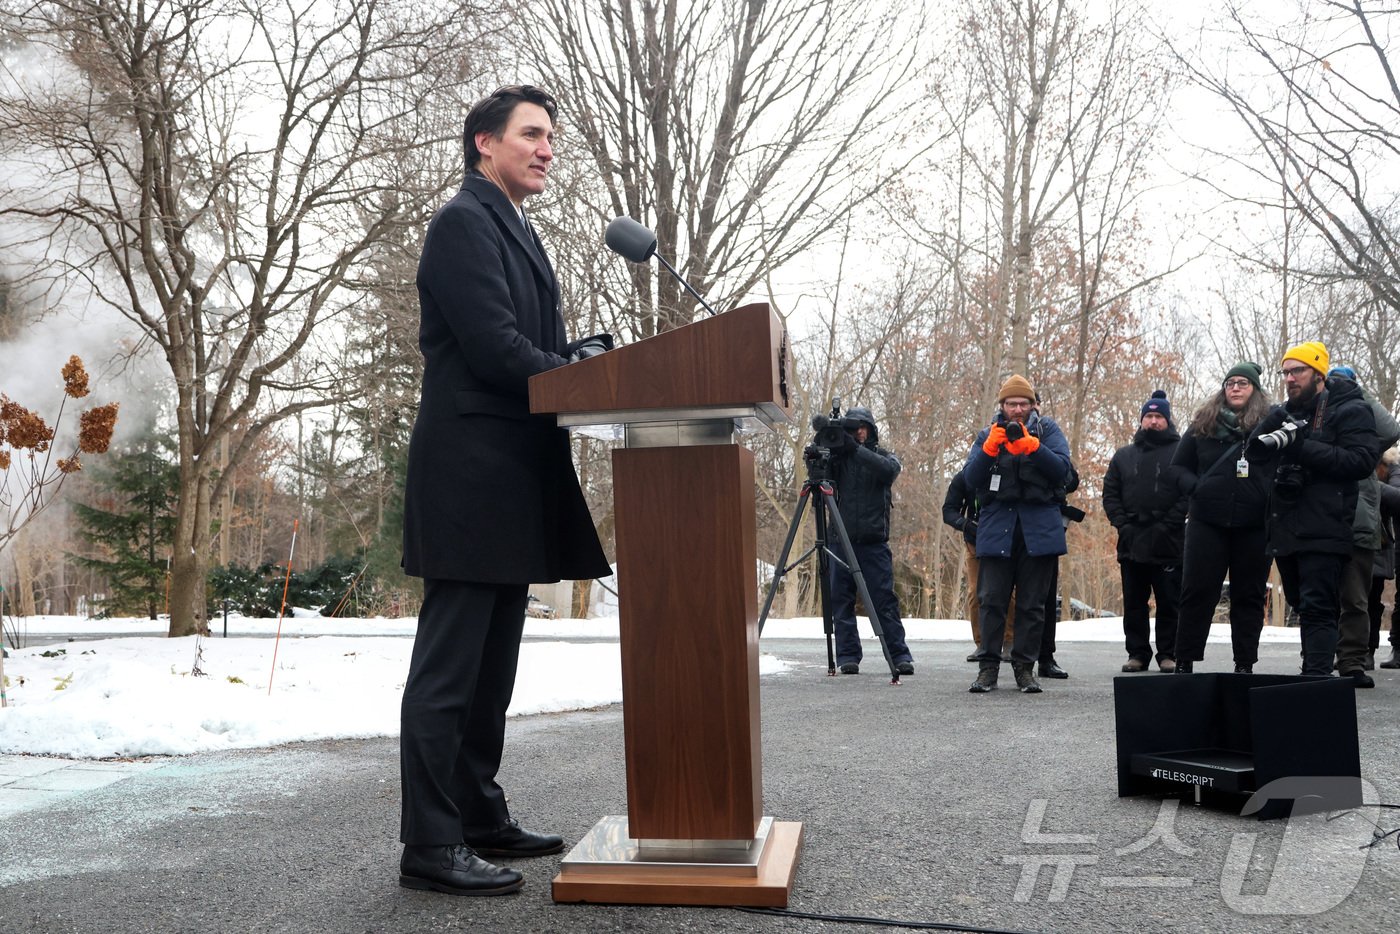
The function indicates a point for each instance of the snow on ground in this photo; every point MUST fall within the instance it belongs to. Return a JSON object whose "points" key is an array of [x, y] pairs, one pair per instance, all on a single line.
{"points": [[143, 694]]}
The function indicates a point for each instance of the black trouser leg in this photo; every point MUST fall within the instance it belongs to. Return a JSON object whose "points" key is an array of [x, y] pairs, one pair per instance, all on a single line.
{"points": [[1166, 588], [1204, 565], [1249, 590], [1137, 587], [459, 685], [1312, 582], [1052, 616]]}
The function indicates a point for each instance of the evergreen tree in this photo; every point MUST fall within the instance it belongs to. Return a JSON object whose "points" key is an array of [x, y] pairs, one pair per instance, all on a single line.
{"points": [[136, 531]]}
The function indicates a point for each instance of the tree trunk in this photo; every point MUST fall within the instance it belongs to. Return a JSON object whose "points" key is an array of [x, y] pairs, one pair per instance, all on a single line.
{"points": [[189, 562]]}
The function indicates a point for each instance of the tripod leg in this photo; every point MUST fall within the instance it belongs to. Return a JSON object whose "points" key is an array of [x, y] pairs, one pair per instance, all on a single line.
{"points": [[824, 585], [829, 498], [779, 570]]}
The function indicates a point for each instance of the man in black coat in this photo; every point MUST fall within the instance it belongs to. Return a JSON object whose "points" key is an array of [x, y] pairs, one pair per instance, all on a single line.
{"points": [[491, 504], [863, 474], [1144, 499], [1323, 441]]}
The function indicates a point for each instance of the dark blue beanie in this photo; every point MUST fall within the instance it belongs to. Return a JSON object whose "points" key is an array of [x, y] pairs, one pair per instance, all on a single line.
{"points": [[1159, 404]]}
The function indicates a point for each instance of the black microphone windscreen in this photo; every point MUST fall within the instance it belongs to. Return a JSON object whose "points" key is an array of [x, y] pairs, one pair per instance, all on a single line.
{"points": [[630, 239]]}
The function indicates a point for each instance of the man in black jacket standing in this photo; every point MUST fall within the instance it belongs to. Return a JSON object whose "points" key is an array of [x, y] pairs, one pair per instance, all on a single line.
{"points": [[1323, 440], [491, 503], [1144, 499], [863, 474]]}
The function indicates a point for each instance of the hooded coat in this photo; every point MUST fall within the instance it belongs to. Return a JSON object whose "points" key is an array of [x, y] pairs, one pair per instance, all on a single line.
{"points": [[491, 494], [864, 476]]}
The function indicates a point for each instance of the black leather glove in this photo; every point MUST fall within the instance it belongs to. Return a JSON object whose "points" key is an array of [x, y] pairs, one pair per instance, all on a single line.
{"points": [[1276, 416], [969, 531], [589, 347], [1281, 437], [1015, 431]]}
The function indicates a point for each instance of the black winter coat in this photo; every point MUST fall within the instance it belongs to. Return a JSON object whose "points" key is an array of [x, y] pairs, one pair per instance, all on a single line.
{"points": [[1336, 447], [863, 476], [960, 508], [1218, 495], [491, 494], [1144, 498]]}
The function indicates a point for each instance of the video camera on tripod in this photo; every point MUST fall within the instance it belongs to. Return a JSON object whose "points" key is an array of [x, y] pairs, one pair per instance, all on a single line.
{"points": [[832, 435]]}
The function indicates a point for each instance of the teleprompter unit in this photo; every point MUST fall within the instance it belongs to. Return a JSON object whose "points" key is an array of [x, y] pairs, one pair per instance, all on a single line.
{"points": [[1274, 745]]}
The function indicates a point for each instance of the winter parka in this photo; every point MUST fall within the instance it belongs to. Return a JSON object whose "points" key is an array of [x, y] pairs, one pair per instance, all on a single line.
{"points": [[1144, 498], [1336, 446], [1029, 490]]}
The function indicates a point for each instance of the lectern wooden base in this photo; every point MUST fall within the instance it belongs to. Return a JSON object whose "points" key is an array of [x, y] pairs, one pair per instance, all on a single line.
{"points": [[626, 879]]}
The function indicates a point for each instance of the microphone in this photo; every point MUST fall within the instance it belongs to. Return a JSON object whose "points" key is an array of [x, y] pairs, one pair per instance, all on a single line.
{"points": [[634, 242]]}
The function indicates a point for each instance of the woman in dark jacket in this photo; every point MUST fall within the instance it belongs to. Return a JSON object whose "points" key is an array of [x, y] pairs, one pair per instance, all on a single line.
{"points": [[1224, 520]]}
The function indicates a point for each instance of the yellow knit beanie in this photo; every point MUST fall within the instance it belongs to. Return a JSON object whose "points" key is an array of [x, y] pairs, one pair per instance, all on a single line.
{"points": [[1313, 353]]}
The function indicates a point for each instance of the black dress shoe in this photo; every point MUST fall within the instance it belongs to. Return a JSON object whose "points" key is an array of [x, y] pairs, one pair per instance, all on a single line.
{"points": [[510, 839], [455, 870], [1052, 670], [850, 668], [905, 668], [974, 657]]}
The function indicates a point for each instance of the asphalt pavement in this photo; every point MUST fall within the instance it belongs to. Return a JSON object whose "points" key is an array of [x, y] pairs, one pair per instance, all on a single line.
{"points": [[920, 803]]}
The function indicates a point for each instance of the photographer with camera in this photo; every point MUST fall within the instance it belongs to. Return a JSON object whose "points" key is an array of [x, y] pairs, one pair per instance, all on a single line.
{"points": [[1018, 467], [863, 474], [1322, 441]]}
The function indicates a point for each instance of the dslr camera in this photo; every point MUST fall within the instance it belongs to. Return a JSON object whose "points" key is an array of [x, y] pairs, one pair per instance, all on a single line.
{"points": [[1282, 436], [1289, 480]]}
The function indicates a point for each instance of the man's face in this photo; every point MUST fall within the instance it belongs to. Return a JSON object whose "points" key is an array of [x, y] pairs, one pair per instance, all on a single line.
{"points": [[861, 434], [1016, 408], [1300, 381], [519, 160], [1154, 421]]}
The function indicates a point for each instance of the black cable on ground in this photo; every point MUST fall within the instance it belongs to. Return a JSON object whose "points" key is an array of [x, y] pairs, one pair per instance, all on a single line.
{"points": [[881, 922]]}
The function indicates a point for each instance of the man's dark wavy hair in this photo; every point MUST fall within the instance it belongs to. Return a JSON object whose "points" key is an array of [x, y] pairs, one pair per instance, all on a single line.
{"points": [[492, 113]]}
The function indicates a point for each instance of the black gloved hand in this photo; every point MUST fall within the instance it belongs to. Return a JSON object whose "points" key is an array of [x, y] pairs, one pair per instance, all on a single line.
{"points": [[590, 347], [969, 530], [1278, 439], [1276, 416], [1015, 431]]}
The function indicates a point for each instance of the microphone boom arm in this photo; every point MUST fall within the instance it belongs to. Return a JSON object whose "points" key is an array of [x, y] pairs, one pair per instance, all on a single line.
{"points": [[698, 297]]}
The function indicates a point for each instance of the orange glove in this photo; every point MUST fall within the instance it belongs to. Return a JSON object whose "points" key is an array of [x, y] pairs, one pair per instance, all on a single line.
{"points": [[995, 439], [1027, 445]]}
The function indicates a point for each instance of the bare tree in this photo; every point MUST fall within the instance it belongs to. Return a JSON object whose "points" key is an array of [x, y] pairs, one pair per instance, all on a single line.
{"points": [[1056, 109], [741, 132], [1326, 121], [221, 172]]}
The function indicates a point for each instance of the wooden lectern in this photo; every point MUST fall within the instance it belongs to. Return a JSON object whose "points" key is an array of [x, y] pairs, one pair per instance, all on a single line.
{"points": [[695, 832]]}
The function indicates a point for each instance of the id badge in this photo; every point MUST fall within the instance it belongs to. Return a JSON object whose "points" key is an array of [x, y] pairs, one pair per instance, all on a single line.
{"points": [[1241, 468], [996, 482]]}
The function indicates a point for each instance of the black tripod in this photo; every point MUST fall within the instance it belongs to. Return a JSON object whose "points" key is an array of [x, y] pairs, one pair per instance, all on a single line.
{"points": [[823, 502]]}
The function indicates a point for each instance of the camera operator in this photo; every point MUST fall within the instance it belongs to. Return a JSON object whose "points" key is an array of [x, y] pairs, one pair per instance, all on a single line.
{"points": [[1019, 467], [863, 473], [1324, 441]]}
